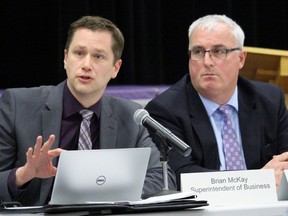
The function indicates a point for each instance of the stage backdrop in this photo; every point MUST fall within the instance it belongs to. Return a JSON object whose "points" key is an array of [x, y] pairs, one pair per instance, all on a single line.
{"points": [[33, 35]]}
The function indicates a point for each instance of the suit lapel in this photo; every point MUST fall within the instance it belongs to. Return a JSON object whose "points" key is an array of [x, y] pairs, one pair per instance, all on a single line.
{"points": [[250, 128], [52, 114], [203, 129], [108, 129], [51, 124]]}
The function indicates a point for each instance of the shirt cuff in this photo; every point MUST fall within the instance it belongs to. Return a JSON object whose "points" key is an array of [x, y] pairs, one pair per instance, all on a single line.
{"points": [[14, 190]]}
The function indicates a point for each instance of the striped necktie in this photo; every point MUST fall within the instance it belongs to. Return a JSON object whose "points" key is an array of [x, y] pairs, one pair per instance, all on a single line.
{"points": [[85, 134]]}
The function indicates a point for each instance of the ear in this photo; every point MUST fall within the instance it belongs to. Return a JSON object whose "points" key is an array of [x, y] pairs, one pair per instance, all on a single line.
{"points": [[65, 57], [242, 57], [117, 67]]}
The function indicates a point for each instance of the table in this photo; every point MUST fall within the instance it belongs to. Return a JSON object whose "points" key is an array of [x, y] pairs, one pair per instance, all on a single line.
{"points": [[278, 209]]}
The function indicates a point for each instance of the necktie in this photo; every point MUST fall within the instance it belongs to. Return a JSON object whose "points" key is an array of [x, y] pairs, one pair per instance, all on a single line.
{"points": [[85, 134], [232, 150]]}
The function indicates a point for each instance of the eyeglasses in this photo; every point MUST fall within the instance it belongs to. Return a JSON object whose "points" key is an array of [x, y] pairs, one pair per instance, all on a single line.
{"points": [[215, 53]]}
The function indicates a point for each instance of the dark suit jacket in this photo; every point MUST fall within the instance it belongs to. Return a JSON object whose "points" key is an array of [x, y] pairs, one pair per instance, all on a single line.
{"points": [[263, 120], [27, 113]]}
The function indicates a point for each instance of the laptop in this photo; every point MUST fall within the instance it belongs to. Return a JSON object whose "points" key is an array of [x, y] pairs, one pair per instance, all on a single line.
{"points": [[99, 176]]}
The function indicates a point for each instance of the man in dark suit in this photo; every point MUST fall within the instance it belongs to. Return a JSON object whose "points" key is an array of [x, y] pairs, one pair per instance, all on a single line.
{"points": [[189, 108], [50, 115]]}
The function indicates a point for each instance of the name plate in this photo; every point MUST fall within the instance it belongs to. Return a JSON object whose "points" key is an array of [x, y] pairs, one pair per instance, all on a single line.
{"points": [[232, 187], [283, 188]]}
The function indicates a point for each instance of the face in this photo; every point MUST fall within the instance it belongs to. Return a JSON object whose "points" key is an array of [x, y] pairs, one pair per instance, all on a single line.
{"points": [[215, 79], [89, 65]]}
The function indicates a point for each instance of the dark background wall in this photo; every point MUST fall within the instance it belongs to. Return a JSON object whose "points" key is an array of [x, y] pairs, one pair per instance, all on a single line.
{"points": [[33, 34]]}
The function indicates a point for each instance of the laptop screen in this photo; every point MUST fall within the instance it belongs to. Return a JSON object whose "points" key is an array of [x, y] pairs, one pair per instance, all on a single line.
{"points": [[104, 175]]}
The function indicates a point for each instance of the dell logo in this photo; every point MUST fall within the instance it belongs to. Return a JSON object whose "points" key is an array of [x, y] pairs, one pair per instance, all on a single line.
{"points": [[100, 180]]}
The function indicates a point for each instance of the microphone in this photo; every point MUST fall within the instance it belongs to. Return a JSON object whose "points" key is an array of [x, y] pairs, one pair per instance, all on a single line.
{"points": [[142, 117]]}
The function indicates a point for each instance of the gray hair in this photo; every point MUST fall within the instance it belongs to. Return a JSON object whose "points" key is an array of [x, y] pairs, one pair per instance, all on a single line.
{"points": [[210, 22]]}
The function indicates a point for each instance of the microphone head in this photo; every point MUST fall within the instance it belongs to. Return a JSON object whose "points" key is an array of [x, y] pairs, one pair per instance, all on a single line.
{"points": [[139, 116]]}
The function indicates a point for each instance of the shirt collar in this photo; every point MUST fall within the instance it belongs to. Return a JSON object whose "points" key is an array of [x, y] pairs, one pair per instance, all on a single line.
{"points": [[71, 105], [211, 106]]}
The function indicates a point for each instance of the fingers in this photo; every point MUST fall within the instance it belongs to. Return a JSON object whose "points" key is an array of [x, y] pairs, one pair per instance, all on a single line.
{"points": [[29, 153], [47, 145], [278, 162], [282, 157], [54, 171], [281, 162], [285, 167], [55, 152], [37, 146]]}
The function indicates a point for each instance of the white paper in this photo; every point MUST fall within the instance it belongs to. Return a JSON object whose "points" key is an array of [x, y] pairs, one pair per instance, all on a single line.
{"points": [[166, 198]]}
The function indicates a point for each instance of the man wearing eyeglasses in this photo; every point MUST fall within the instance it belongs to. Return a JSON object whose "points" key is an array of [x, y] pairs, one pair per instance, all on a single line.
{"points": [[213, 103]]}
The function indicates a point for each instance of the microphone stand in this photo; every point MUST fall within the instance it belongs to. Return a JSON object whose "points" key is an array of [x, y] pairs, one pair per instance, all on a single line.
{"points": [[164, 148]]}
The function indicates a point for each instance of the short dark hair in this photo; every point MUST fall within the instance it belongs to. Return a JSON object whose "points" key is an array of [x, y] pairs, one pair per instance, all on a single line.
{"points": [[96, 23]]}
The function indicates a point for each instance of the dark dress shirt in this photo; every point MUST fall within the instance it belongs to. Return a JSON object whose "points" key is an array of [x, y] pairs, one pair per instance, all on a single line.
{"points": [[71, 120]]}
